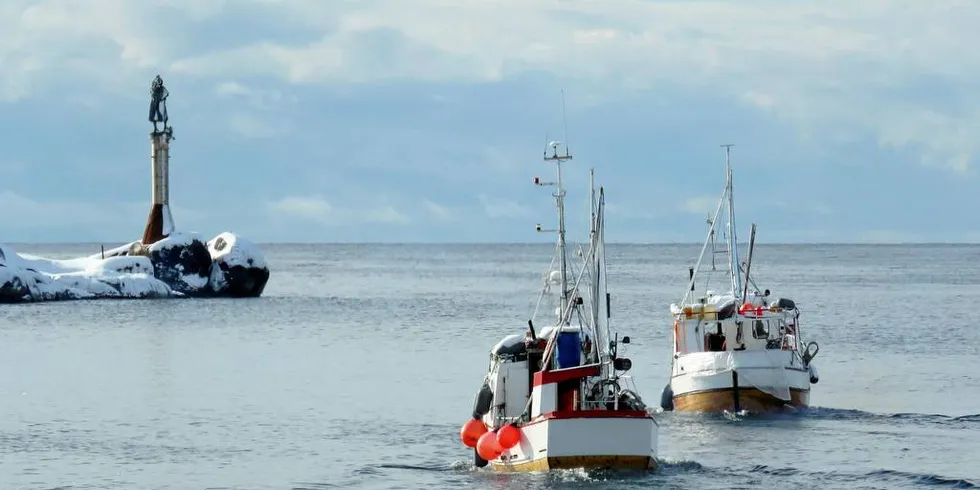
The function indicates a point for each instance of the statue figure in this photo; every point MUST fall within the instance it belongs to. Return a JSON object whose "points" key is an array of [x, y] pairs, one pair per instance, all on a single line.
{"points": [[158, 103]]}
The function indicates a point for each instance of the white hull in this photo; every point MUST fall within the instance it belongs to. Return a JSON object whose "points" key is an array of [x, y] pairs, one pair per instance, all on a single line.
{"points": [[583, 442], [768, 379]]}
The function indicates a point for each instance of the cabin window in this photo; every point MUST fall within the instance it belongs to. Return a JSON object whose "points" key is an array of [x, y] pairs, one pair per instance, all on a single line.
{"points": [[760, 329]]}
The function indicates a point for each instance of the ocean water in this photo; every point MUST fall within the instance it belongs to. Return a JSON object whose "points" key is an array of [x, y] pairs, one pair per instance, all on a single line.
{"points": [[360, 363]]}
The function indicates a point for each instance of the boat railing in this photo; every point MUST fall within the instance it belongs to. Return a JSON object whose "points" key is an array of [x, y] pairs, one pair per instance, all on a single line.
{"points": [[620, 383], [627, 380], [711, 314]]}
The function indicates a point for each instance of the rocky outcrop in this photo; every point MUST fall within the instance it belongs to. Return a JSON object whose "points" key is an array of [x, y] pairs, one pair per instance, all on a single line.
{"points": [[181, 265], [240, 269]]}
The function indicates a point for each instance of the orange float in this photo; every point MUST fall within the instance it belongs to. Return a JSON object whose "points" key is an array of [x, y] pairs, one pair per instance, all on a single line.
{"points": [[487, 447], [471, 432], [508, 436]]}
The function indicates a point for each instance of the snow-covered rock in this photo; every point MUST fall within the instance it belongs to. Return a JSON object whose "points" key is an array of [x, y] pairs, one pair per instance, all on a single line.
{"points": [[182, 261], [239, 268], [177, 266], [29, 278]]}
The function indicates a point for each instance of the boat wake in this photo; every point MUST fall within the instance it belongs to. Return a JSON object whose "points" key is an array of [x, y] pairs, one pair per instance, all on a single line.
{"points": [[879, 476], [842, 414], [673, 472], [918, 418]]}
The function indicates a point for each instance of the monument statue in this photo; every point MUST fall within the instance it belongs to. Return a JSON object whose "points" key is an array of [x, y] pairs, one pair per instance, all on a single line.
{"points": [[158, 103]]}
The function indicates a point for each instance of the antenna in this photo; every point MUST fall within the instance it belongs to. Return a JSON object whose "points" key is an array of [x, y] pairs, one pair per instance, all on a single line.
{"points": [[564, 120], [728, 152], [560, 202], [711, 233], [733, 262]]}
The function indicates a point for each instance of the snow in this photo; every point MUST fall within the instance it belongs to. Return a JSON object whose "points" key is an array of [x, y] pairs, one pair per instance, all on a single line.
{"points": [[174, 240], [120, 250], [125, 272], [234, 250], [87, 277]]}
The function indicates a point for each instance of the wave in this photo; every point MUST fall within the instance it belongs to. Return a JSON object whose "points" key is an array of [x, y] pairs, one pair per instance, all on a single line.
{"points": [[681, 471], [921, 418], [844, 414], [884, 476]]}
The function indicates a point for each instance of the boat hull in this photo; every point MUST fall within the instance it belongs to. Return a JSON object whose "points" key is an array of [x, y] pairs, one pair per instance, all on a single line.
{"points": [[581, 462], [761, 381], [749, 399], [588, 440]]}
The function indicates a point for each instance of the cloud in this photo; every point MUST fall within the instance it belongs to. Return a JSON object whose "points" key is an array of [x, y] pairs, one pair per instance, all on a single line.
{"points": [[259, 99], [703, 205], [316, 209], [422, 102], [438, 211], [633, 211], [496, 207], [830, 64], [251, 126], [386, 214], [758, 99], [870, 68], [25, 219], [55, 213], [313, 208]]}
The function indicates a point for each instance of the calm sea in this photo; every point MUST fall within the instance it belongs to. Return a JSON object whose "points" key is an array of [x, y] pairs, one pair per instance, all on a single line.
{"points": [[360, 363]]}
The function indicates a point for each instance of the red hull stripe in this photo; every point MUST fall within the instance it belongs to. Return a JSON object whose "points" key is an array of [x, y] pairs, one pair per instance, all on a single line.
{"points": [[546, 377], [598, 414], [591, 414]]}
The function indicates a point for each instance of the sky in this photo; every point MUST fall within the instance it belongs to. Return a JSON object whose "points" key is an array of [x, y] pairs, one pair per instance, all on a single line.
{"points": [[425, 121]]}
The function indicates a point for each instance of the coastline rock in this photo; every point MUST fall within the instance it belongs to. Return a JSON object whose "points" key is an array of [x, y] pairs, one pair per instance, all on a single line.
{"points": [[183, 262], [12, 288], [25, 278], [240, 269], [181, 265]]}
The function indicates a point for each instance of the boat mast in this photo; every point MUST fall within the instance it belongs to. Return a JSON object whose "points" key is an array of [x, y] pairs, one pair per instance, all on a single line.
{"points": [[592, 202], [732, 237], [592, 260], [600, 290], [560, 201]]}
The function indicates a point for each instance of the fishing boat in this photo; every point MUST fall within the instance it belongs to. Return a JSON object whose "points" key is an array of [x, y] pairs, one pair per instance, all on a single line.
{"points": [[558, 397], [736, 350]]}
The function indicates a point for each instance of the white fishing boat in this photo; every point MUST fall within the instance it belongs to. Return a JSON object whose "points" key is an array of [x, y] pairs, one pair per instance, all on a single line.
{"points": [[557, 398], [737, 350]]}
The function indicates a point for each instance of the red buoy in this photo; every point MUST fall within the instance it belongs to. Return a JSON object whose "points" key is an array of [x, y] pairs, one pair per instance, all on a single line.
{"points": [[471, 432], [487, 447], [508, 436]]}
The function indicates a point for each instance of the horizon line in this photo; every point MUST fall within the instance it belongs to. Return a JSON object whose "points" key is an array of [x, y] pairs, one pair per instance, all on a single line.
{"points": [[274, 243]]}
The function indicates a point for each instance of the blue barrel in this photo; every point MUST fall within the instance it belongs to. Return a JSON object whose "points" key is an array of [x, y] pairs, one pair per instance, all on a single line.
{"points": [[569, 350]]}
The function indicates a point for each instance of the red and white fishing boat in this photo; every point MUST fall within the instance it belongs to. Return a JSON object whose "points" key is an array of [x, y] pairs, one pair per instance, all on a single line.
{"points": [[557, 398]]}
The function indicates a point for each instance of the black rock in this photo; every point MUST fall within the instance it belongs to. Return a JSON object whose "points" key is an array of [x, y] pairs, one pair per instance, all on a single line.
{"points": [[13, 290], [243, 282], [240, 271], [183, 263]]}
